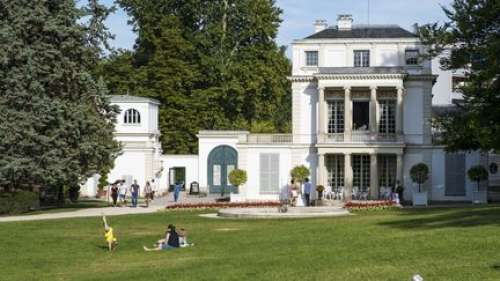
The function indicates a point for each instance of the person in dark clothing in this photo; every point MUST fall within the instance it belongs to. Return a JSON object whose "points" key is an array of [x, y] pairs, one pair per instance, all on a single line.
{"points": [[114, 194], [171, 241], [134, 191]]}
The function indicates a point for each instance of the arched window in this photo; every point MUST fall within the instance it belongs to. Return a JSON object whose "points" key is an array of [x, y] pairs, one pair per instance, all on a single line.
{"points": [[132, 116]]}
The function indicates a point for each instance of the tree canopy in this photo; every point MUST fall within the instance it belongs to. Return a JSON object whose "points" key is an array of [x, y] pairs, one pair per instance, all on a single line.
{"points": [[470, 40], [213, 64], [57, 124]]}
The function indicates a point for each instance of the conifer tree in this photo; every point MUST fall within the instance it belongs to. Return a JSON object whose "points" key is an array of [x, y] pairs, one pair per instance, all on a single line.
{"points": [[57, 124]]}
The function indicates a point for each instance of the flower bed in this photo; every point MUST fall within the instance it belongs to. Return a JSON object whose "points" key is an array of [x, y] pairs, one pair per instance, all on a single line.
{"points": [[220, 205], [369, 204]]}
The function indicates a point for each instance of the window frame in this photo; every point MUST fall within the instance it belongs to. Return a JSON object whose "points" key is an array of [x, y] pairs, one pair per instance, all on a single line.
{"points": [[363, 60], [414, 60], [271, 176], [132, 117], [387, 122], [312, 62], [336, 116]]}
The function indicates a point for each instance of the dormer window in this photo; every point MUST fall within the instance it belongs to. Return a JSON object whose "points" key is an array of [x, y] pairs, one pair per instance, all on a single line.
{"points": [[362, 58], [132, 116], [312, 58], [411, 57]]}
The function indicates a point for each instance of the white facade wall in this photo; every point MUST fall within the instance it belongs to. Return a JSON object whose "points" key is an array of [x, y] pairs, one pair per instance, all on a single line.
{"points": [[189, 162], [208, 140]]}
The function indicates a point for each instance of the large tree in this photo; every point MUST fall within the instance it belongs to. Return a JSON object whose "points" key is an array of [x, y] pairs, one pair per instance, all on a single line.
{"points": [[471, 38], [213, 64], [56, 124]]}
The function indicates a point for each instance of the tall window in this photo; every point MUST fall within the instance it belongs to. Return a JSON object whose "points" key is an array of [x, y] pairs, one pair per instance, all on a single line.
{"points": [[335, 116], [361, 172], [312, 58], [387, 123], [455, 174], [269, 173], [132, 116], [411, 57], [361, 115], [386, 170], [362, 58], [335, 167]]}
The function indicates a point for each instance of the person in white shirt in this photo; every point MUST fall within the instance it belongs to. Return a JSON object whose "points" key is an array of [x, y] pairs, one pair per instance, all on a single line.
{"points": [[122, 192]]}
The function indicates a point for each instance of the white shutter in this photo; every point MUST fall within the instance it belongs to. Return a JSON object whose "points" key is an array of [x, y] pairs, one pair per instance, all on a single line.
{"points": [[269, 173]]}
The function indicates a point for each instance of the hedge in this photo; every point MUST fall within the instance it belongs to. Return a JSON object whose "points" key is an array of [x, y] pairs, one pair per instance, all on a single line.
{"points": [[17, 202]]}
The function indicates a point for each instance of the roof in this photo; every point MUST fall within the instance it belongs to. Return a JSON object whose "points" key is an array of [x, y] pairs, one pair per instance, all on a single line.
{"points": [[132, 99], [364, 31], [362, 70]]}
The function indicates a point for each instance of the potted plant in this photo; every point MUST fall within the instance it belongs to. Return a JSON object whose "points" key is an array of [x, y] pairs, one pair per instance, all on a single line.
{"points": [[419, 174], [478, 173], [320, 190], [237, 178], [299, 174]]}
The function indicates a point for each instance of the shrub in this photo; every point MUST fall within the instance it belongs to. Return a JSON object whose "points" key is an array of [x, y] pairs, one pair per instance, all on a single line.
{"points": [[419, 174], [300, 173], [238, 177], [477, 173], [17, 202]]}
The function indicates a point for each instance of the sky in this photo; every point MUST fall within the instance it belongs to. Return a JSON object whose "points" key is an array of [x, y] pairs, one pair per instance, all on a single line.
{"points": [[299, 16]]}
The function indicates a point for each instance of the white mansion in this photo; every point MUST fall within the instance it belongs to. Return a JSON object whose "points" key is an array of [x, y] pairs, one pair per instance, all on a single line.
{"points": [[362, 110]]}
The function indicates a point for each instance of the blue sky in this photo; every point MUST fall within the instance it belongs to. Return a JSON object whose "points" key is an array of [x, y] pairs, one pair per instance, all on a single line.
{"points": [[299, 15]]}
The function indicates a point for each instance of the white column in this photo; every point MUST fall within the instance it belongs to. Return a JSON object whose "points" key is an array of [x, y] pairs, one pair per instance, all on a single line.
{"points": [[399, 110], [347, 177], [321, 172], [321, 113], [399, 168], [373, 177], [347, 114], [373, 110]]}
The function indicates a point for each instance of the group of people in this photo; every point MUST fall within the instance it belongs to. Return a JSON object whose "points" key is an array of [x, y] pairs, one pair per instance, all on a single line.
{"points": [[119, 190], [292, 193], [173, 239]]}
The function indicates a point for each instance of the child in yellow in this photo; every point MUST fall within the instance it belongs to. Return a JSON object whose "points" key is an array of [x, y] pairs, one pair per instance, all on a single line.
{"points": [[108, 235]]}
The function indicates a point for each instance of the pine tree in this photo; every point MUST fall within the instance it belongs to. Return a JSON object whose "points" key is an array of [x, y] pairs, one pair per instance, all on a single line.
{"points": [[56, 124]]}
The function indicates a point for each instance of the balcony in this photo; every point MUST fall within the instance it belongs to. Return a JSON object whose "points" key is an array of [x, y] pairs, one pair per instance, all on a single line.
{"points": [[356, 137]]}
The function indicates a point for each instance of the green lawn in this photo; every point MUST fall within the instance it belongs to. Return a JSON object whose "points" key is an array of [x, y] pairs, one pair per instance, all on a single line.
{"points": [[440, 244]]}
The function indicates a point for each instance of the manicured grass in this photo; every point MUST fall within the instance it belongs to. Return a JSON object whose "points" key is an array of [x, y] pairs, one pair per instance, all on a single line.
{"points": [[440, 244], [71, 207]]}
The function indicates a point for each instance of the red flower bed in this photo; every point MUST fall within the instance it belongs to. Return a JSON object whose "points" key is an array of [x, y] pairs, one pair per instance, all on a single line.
{"points": [[220, 205], [369, 204]]}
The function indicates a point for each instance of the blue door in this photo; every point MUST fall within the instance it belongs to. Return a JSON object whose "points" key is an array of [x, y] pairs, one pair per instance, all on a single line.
{"points": [[221, 161]]}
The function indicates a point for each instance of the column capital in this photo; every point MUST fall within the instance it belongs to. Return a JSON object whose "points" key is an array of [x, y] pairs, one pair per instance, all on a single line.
{"points": [[373, 88], [322, 88], [347, 88]]}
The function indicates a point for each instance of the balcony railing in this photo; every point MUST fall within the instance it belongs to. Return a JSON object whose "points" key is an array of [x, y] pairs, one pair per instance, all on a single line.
{"points": [[356, 137]]}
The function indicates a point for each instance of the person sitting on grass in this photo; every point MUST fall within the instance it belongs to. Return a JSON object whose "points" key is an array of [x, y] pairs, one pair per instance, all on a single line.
{"points": [[109, 235], [171, 241], [183, 242]]}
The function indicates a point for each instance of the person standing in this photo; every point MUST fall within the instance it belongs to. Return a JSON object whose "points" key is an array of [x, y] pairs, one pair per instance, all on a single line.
{"points": [[114, 194], [307, 192], [134, 190], [122, 192], [148, 191], [177, 190]]}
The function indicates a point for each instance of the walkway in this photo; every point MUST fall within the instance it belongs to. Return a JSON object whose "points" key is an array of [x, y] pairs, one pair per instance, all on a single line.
{"points": [[157, 205]]}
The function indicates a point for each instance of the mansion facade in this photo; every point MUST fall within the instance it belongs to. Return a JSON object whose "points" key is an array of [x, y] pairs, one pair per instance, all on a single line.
{"points": [[361, 112]]}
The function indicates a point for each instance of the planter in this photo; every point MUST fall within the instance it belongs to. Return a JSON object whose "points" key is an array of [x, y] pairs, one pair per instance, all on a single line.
{"points": [[480, 197], [420, 198]]}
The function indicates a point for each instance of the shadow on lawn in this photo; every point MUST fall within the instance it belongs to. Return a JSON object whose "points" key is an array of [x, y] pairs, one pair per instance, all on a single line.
{"points": [[449, 217], [496, 266]]}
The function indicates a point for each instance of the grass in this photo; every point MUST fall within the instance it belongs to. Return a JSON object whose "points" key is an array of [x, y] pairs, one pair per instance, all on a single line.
{"points": [[439, 244], [71, 207]]}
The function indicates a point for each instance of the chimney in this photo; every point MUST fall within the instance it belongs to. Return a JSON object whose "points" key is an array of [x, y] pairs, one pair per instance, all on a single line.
{"points": [[344, 22], [320, 25]]}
